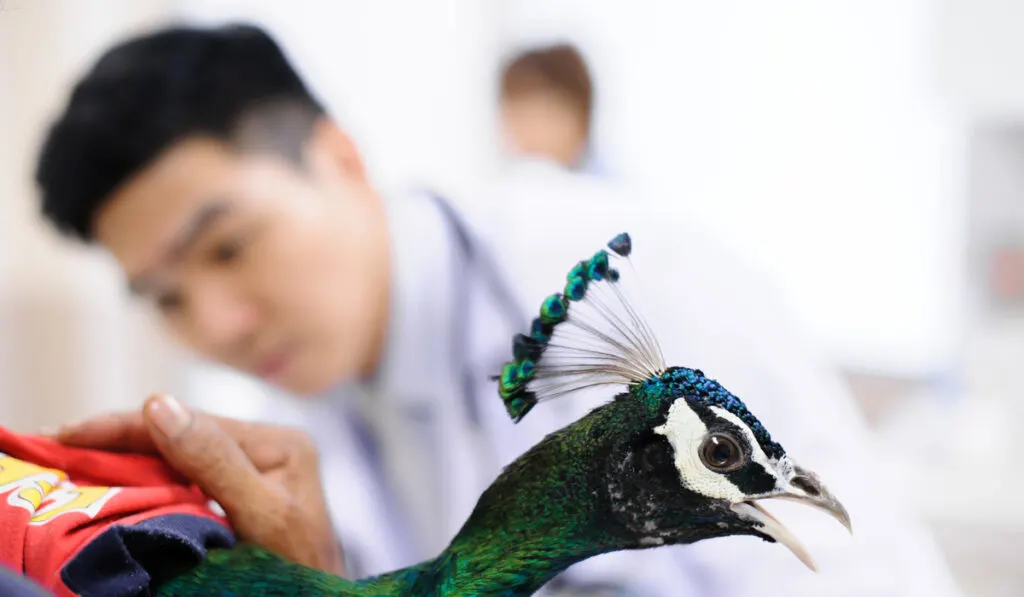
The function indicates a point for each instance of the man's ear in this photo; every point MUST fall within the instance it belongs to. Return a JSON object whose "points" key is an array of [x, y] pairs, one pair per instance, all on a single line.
{"points": [[331, 153]]}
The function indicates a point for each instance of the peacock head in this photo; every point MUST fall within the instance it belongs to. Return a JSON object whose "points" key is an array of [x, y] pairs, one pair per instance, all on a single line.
{"points": [[683, 458], [693, 463]]}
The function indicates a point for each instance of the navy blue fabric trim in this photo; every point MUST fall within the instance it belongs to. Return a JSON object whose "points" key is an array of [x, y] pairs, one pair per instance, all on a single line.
{"points": [[129, 560], [13, 584]]}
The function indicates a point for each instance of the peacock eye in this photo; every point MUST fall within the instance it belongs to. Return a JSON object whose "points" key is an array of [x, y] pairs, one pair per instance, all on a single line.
{"points": [[721, 453]]}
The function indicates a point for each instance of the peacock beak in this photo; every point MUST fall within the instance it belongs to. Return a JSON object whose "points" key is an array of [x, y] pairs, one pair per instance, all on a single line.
{"points": [[804, 487]]}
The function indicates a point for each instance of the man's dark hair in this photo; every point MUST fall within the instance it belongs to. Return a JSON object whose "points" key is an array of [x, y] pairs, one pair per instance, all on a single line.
{"points": [[231, 83], [559, 68]]}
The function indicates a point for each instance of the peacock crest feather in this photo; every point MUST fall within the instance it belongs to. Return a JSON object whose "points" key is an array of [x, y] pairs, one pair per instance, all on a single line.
{"points": [[593, 334], [585, 336]]}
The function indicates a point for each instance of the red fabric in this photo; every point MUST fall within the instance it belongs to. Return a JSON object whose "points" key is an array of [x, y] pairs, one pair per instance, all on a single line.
{"points": [[54, 499]]}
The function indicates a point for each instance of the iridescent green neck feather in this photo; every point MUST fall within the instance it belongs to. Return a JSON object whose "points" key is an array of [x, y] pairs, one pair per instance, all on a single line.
{"points": [[548, 510]]}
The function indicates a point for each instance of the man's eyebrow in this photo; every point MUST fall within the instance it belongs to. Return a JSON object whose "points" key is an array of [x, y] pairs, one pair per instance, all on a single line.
{"points": [[194, 227]]}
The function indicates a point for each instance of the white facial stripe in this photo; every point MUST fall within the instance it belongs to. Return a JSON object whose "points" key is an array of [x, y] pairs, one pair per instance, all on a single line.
{"points": [[757, 454], [685, 431]]}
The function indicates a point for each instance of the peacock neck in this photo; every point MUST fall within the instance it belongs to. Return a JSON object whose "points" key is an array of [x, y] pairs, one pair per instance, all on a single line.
{"points": [[546, 512]]}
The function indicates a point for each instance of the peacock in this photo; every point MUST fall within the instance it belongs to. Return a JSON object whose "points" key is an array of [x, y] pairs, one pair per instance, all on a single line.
{"points": [[674, 458]]}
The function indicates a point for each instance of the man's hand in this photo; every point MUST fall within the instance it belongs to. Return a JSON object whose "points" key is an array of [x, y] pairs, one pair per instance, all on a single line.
{"points": [[265, 478]]}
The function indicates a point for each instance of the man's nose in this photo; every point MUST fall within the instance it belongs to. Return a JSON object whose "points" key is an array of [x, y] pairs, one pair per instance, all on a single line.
{"points": [[222, 317]]}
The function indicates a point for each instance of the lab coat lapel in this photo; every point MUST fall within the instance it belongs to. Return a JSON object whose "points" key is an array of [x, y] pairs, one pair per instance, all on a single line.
{"points": [[412, 399]]}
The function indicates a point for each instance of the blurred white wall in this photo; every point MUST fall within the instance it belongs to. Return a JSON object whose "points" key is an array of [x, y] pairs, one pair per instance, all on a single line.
{"points": [[807, 135], [69, 341], [981, 56]]}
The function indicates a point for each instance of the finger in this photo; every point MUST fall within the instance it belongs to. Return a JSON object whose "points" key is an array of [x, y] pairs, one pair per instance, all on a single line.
{"points": [[199, 449], [127, 431], [267, 446], [124, 432]]}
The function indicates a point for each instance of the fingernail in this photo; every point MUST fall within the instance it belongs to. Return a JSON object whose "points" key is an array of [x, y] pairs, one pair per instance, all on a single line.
{"points": [[59, 430], [169, 415]]}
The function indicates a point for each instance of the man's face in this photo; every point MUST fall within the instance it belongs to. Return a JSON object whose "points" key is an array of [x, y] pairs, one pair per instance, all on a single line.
{"points": [[256, 264]]}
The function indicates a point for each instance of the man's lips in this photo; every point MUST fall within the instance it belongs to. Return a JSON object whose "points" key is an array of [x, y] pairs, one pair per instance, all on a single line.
{"points": [[271, 367]]}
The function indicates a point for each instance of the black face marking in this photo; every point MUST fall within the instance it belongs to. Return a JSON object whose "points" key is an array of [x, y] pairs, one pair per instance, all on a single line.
{"points": [[752, 479], [647, 496], [655, 454]]}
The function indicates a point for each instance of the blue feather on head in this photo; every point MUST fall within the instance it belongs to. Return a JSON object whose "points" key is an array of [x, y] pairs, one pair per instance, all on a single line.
{"points": [[704, 392]]}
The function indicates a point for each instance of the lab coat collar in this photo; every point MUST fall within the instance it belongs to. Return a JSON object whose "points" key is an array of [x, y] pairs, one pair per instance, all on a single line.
{"points": [[419, 332]]}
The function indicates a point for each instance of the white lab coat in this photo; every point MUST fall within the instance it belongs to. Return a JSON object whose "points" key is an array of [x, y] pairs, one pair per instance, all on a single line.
{"points": [[708, 310]]}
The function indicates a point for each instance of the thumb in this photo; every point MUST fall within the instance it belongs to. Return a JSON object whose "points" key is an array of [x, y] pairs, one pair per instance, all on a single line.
{"points": [[203, 453]]}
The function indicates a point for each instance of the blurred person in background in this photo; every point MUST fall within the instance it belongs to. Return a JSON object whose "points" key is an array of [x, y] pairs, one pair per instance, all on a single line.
{"points": [[547, 104], [242, 211]]}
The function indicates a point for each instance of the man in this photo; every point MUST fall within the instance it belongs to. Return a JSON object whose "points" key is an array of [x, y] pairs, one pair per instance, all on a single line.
{"points": [[243, 212]]}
